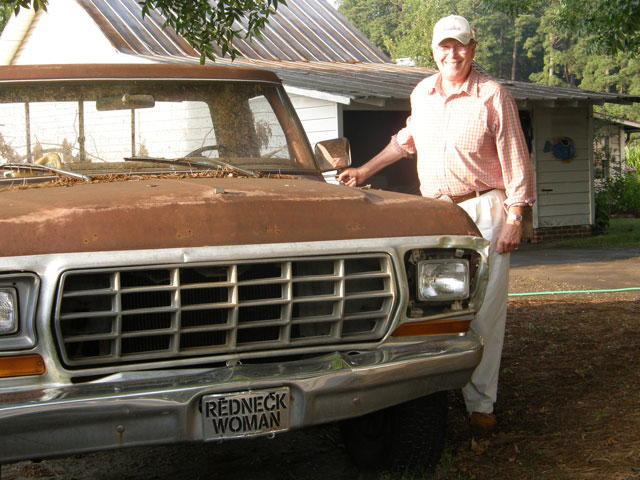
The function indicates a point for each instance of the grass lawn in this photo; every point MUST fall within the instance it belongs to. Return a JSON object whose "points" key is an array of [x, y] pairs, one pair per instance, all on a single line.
{"points": [[622, 232]]}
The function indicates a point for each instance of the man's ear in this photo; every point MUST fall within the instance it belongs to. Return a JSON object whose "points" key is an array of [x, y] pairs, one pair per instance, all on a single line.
{"points": [[472, 48]]}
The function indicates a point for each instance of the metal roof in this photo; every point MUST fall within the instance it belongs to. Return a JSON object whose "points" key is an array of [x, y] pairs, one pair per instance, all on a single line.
{"points": [[311, 47], [301, 30], [398, 81], [364, 81], [532, 91], [627, 125], [353, 81]]}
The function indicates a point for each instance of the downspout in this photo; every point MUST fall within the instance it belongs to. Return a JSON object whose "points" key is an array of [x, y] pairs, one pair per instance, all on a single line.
{"points": [[535, 214], [591, 160], [621, 145], [14, 34]]}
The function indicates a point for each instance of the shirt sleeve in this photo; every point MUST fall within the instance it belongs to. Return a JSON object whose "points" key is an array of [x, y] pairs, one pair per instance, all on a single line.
{"points": [[513, 153], [403, 141]]}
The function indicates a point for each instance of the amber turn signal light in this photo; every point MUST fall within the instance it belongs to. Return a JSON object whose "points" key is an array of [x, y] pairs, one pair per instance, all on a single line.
{"points": [[433, 327], [21, 366]]}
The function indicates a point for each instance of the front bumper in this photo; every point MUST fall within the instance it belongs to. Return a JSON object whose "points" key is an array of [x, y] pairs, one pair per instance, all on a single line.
{"points": [[161, 407]]}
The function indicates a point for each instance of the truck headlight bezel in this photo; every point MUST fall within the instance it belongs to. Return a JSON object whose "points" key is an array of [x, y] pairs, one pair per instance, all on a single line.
{"points": [[443, 280], [20, 333]]}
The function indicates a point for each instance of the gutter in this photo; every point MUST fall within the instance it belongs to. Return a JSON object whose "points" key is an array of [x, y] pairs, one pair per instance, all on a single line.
{"points": [[320, 95]]}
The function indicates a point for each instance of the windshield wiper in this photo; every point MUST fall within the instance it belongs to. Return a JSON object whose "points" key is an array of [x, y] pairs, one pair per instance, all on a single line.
{"points": [[204, 162], [44, 168]]}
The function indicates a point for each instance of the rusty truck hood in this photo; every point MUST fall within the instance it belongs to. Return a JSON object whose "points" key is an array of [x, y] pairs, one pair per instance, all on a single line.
{"points": [[195, 212]]}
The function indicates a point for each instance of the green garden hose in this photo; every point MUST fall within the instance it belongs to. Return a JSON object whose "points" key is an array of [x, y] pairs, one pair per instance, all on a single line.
{"points": [[569, 292]]}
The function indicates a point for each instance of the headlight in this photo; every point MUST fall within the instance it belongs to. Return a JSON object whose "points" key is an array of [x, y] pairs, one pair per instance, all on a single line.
{"points": [[8, 311], [443, 279]]}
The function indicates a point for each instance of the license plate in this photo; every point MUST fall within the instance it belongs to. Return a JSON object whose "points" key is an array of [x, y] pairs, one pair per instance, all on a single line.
{"points": [[245, 414]]}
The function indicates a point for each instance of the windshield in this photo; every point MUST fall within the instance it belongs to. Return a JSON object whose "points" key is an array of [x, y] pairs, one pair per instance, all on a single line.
{"points": [[134, 126]]}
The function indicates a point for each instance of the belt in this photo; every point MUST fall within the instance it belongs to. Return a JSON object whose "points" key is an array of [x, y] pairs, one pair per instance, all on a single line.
{"points": [[461, 198]]}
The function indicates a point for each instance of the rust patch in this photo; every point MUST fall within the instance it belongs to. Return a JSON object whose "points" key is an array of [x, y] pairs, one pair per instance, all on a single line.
{"points": [[90, 239], [182, 213], [354, 227], [272, 229], [186, 234]]}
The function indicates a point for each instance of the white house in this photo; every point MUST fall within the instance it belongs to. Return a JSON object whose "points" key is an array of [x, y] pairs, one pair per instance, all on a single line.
{"points": [[611, 137], [340, 84]]}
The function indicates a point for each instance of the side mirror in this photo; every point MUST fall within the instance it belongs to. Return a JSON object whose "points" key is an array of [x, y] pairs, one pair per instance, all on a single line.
{"points": [[333, 154]]}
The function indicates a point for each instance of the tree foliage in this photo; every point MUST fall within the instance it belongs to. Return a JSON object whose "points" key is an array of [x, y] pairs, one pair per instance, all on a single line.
{"points": [[205, 25], [5, 13], [570, 43], [379, 20], [612, 25]]}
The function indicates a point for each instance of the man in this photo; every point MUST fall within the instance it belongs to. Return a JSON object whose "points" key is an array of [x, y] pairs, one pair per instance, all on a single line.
{"points": [[466, 132]]}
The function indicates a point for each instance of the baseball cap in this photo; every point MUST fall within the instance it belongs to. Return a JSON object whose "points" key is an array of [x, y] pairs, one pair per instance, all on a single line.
{"points": [[453, 26]]}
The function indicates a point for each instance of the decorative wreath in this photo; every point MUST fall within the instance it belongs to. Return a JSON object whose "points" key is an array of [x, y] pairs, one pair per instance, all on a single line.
{"points": [[562, 148]]}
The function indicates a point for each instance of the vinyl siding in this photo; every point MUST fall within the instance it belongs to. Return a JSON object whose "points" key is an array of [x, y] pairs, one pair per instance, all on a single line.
{"points": [[319, 117], [563, 188]]}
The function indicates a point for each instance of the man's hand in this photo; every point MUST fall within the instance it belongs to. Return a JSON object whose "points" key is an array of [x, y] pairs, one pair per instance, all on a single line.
{"points": [[509, 238], [351, 177]]}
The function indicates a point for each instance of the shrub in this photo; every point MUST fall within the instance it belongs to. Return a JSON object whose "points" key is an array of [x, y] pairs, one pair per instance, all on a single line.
{"points": [[632, 157], [630, 194], [603, 212], [620, 195]]}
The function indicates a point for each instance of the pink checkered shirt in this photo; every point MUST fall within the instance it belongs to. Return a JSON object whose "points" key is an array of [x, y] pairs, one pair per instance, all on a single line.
{"points": [[469, 141]]}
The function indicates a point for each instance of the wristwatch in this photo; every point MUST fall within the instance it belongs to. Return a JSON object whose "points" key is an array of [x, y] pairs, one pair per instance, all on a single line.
{"points": [[514, 219]]}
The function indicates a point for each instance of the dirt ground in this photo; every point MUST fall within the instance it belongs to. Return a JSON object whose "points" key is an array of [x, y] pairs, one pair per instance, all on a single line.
{"points": [[569, 395], [568, 408]]}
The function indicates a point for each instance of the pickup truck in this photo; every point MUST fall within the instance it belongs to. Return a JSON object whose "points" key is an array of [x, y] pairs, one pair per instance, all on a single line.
{"points": [[175, 268]]}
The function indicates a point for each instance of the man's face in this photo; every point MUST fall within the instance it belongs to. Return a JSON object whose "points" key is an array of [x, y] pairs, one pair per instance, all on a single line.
{"points": [[454, 59]]}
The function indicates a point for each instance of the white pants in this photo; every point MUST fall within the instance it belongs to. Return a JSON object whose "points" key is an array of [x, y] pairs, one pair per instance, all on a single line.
{"points": [[489, 214]]}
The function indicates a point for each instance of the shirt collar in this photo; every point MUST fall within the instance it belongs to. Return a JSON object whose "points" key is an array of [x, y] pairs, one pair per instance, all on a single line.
{"points": [[470, 86]]}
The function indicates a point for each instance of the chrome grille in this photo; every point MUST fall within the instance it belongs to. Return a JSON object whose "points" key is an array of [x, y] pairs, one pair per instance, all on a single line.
{"points": [[140, 314]]}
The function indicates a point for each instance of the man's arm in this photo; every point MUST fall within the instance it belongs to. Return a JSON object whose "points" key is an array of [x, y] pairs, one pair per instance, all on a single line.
{"points": [[516, 171], [511, 232], [353, 177]]}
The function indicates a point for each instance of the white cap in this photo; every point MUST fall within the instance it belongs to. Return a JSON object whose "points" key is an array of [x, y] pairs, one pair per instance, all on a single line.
{"points": [[453, 26]]}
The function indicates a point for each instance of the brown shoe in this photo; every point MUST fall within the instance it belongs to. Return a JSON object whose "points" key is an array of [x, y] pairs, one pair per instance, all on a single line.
{"points": [[483, 421]]}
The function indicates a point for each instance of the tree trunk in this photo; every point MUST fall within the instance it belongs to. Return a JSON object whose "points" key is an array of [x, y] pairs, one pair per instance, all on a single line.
{"points": [[501, 50], [550, 57], [514, 60]]}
